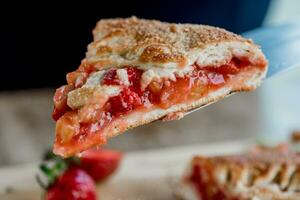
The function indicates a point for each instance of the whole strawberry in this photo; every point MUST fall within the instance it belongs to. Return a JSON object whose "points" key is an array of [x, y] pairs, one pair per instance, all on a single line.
{"points": [[74, 178], [100, 164], [73, 184]]}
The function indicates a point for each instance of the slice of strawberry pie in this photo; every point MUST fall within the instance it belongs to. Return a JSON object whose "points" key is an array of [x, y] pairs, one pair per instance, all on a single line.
{"points": [[137, 71]]}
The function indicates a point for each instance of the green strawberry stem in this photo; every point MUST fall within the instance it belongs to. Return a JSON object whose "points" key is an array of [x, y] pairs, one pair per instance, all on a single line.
{"points": [[54, 167]]}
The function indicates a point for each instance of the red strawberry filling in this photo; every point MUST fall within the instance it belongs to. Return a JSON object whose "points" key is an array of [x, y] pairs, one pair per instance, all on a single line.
{"points": [[75, 134], [203, 181]]}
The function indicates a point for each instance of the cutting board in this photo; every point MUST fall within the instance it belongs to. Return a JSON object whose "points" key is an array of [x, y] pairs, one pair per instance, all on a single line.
{"points": [[143, 175]]}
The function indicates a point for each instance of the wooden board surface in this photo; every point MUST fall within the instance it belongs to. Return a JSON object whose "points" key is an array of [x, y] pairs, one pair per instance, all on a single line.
{"points": [[143, 175]]}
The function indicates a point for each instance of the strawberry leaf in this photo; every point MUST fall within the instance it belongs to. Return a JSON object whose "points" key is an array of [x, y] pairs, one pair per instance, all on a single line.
{"points": [[53, 166]]}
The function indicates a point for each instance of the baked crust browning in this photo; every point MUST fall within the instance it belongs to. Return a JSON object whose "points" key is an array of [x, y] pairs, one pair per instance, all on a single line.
{"points": [[264, 175], [136, 41]]}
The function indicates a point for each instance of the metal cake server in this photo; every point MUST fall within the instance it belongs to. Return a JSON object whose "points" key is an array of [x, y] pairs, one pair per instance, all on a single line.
{"points": [[280, 44]]}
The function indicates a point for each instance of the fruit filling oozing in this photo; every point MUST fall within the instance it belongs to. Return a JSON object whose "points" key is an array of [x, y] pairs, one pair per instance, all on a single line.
{"points": [[205, 186], [74, 126]]}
